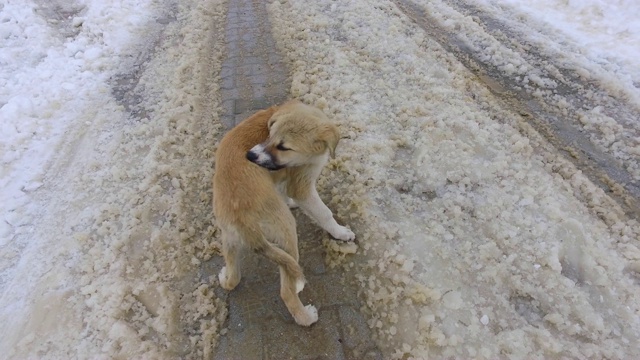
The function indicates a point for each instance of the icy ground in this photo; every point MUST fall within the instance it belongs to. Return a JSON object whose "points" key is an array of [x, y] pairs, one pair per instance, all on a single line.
{"points": [[477, 238], [108, 126]]}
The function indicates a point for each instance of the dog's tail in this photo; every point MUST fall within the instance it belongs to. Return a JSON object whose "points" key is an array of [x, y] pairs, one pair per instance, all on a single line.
{"points": [[291, 267]]}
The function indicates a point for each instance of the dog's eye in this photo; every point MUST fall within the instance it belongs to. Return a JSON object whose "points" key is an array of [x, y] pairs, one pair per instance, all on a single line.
{"points": [[281, 147]]}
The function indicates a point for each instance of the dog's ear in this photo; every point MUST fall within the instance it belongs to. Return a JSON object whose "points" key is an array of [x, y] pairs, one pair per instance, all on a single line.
{"points": [[330, 136], [274, 116], [270, 122]]}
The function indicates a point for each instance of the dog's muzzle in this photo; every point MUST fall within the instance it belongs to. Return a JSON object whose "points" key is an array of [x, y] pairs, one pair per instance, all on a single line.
{"points": [[259, 156]]}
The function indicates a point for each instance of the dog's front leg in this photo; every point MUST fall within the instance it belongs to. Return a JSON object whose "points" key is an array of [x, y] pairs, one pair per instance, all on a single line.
{"points": [[313, 206]]}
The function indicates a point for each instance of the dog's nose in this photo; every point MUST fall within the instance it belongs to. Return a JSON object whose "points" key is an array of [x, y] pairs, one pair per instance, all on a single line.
{"points": [[251, 156]]}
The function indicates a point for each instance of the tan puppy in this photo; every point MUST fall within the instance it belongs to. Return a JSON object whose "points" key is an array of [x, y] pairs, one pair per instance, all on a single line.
{"points": [[268, 161]]}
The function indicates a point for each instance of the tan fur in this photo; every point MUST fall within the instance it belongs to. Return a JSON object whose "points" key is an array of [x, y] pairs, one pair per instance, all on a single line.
{"points": [[294, 140]]}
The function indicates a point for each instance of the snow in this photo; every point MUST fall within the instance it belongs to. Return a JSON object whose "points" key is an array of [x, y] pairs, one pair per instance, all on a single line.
{"points": [[100, 103], [614, 132], [462, 252], [607, 30], [108, 123], [47, 80]]}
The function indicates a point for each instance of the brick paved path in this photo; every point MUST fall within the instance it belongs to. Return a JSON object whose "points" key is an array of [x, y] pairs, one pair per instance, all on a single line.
{"points": [[254, 75], [259, 326]]}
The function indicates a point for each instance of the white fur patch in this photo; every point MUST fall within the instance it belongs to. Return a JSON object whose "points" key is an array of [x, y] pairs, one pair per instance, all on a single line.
{"points": [[299, 285], [312, 312], [291, 203], [258, 148], [343, 233], [262, 155], [222, 276]]}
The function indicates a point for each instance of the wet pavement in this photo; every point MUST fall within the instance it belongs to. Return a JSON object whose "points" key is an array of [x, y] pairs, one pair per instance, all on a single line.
{"points": [[254, 76]]}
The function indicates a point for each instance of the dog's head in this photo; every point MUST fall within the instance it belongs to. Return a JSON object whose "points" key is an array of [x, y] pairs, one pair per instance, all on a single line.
{"points": [[298, 135]]}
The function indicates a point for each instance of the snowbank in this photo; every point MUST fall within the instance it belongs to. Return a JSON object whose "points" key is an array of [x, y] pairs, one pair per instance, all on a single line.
{"points": [[56, 58], [113, 109], [477, 239]]}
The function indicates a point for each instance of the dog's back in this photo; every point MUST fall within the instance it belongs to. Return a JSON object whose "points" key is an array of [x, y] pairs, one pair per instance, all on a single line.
{"points": [[232, 169]]}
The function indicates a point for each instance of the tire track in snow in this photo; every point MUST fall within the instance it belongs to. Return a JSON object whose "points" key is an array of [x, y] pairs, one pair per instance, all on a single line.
{"points": [[548, 120]]}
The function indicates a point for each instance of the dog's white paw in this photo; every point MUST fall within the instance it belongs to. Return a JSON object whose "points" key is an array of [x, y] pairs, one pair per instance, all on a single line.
{"points": [[222, 276], [225, 282], [311, 316], [312, 312], [343, 233], [300, 285]]}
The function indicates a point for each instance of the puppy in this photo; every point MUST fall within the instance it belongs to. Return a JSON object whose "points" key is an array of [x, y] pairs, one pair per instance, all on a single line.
{"points": [[267, 162]]}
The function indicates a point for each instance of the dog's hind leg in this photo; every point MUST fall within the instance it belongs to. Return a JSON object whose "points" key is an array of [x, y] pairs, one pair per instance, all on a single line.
{"points": [[232, 247], [283, 232], [289, 288]]}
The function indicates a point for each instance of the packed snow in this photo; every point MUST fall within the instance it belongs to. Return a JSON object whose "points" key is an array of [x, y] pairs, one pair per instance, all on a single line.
{"points": [[567, 38], [606, 30], [476, 238], [104, 223]]}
